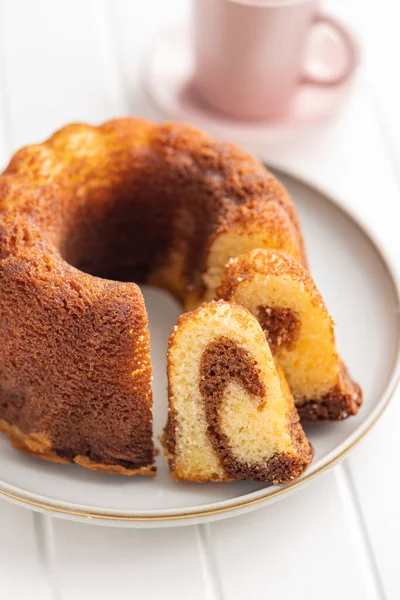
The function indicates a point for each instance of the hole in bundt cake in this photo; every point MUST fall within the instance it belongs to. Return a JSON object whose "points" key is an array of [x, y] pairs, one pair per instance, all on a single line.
{"points": [[130, 232]]}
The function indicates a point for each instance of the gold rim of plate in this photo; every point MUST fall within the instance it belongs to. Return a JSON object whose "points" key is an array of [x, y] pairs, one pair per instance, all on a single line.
{"points": [[284, 488]]}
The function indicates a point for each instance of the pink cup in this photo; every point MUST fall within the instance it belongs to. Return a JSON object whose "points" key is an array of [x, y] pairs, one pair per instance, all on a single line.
{"points": [[250, 54]]}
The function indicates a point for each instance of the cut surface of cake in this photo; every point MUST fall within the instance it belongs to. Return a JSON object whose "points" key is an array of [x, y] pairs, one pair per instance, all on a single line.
{"points": [[231, 414], [128, 201], [300, 331]]}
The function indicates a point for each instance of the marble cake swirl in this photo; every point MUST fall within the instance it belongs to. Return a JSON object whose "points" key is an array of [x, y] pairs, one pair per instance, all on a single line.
{"points": [[231, 413]]}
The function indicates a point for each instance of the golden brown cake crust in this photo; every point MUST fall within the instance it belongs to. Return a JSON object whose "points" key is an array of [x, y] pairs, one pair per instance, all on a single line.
{"points": [[341, 402], [281, 468], [114, 201], [265, 262], [39, 446], [67, 364]]}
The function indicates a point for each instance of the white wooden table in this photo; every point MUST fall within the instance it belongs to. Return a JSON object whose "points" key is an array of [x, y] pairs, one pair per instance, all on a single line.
{"points": [[339, 536]]}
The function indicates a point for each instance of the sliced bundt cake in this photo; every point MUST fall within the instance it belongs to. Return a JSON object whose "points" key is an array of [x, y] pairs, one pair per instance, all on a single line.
{"points": [[299, 330], [131, 201], [231, 413]]}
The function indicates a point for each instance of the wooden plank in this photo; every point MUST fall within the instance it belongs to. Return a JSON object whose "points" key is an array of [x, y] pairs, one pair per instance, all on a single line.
{"points": [[374, 468], [22, 571], [138, 563], [299, 547]]}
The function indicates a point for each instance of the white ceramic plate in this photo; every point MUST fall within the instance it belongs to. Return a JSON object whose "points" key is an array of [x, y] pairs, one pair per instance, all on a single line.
{"points": [[359, 288]]}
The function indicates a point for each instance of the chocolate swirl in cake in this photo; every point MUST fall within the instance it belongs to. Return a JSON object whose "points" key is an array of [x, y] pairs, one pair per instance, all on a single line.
{"points": [[222, 362], [281, 326]]}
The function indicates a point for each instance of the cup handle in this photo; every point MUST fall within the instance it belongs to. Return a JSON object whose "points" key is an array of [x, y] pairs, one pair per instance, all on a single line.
{"points": [[351, 49]]}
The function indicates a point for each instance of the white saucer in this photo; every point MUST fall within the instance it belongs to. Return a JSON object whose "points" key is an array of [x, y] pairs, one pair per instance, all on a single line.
{"points": [[167, 71], [358, 285]]}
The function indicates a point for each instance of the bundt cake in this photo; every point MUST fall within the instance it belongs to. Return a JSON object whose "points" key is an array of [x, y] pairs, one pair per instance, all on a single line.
{"points": [[299, 330], [231, 414], [126, 201]]}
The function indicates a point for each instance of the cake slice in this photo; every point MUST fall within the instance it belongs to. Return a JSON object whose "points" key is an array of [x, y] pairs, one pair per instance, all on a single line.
{"points": [[285, 300], [231, 414]]}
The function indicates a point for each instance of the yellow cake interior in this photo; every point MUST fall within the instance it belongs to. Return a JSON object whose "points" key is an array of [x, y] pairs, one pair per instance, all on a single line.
{"points": [[257, 428]]}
